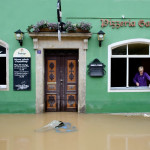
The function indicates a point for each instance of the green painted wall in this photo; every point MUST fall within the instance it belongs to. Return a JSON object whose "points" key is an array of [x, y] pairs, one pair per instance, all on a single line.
{"points": [[98, 100], [18, 14]]}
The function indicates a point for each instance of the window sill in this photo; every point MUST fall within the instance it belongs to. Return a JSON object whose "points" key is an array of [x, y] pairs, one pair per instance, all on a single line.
{"points": [[3, 88], [130, 89]]}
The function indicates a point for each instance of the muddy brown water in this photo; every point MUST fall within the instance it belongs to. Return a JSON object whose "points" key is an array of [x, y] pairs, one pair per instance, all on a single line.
{"points": [[94, 132]]}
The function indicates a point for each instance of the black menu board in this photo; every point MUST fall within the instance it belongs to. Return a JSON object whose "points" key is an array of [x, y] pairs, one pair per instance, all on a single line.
{"points": [[22, 73]]}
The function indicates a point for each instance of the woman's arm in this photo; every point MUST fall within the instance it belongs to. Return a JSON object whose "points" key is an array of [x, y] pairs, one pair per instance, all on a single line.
{"points": [[135, 80]]}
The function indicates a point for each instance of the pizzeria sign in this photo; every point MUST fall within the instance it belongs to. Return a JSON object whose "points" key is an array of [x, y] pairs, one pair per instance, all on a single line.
{"points": [[119, 24]]}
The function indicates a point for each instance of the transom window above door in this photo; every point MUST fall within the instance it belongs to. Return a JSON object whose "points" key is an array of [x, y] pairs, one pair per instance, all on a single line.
{"points": [[123, 62]]}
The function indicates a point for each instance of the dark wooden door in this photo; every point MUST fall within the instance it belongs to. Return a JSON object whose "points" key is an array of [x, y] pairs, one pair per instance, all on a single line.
{"points": [[61, 80]]}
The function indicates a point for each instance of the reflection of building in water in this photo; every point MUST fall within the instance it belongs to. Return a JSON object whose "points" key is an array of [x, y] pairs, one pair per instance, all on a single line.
{"points": [[23, 143], [128, 142], [4, 144]]}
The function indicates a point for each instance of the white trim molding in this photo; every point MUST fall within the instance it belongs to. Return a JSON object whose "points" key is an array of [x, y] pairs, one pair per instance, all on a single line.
{"points": [[121, 43]]}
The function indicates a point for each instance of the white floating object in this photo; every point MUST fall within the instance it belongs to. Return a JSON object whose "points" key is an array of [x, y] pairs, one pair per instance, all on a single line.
{"points": [[49, 126], [146, 115]]}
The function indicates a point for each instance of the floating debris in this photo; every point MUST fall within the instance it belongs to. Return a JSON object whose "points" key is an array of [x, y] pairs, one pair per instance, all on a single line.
{"points": [[58, 126], [146, 115], [66, 128], [52, 125]]}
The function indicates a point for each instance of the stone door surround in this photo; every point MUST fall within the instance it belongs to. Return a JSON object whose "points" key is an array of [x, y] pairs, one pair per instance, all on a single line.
{"points": [[70, 41]]}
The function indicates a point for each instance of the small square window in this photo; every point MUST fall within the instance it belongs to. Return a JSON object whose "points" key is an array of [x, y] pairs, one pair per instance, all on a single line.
{"points": [[138, 49], [2, 50], [118, 72], [122, 50], [3, 70]]}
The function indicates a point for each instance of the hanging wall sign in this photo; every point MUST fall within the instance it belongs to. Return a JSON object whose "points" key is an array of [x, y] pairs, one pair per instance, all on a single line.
{"points": [[22, 70]]}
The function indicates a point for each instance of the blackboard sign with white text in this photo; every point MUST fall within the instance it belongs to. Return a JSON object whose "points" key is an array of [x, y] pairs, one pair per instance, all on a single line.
{"points": [[22, 70]]}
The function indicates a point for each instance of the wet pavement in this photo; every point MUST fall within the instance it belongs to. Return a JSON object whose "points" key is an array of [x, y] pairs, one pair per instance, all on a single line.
{"points": [[94, 132]]}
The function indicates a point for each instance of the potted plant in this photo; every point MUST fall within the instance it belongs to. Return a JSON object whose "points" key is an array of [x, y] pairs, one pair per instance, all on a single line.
{"points": [[83, 27], [69, 27], [30, 28], [53, 27], [43, 26]]}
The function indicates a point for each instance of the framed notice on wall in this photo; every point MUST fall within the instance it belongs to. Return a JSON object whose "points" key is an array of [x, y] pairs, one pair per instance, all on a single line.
{"points": [[22, 70]]}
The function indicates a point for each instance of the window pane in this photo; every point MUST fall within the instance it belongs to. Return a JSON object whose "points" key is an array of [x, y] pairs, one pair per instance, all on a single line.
{"points": [[138, 49], [122, 50], [134, 63], [2, 50], [118, 72], [2, 70]]}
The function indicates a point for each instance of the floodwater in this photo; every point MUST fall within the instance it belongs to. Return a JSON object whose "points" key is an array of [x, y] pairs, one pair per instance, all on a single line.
{"points": [[94, 132]]}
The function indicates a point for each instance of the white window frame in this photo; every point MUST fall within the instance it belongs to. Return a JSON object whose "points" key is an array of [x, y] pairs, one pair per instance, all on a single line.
{"points": [[121, 43], [5, 87]]}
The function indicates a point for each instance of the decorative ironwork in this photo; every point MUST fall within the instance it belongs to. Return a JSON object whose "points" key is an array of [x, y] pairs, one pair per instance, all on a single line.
{"points": [[51, 76], [71, 76], [51, 65], [51, 100], [71, 66], [71, 100]]}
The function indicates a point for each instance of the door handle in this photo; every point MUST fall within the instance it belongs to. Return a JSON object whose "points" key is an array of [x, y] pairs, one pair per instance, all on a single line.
{"points": [[61, 81]]}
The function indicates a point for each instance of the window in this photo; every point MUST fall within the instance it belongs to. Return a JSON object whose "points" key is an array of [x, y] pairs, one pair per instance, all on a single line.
{"points": [[3, 66], [124, 60]]}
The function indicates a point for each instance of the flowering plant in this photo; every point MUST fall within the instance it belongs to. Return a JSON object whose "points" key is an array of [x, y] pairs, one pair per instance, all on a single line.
{"points": [[84, 26], [41, 25], [70, 27], [53, 26]]}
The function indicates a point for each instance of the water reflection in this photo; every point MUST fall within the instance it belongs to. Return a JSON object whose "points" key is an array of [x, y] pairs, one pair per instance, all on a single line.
{"points": [[128, 142], [95, 131], [4, 144], [22, 143]]}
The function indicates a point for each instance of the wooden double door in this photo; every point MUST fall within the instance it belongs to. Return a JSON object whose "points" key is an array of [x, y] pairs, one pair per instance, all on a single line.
{"points": [[61, 80]]}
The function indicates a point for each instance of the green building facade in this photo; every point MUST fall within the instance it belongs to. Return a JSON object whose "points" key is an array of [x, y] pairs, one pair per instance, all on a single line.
{"points": [[126, 24]]}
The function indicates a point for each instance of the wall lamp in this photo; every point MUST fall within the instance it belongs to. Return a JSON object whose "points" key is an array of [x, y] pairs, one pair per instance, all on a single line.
{"points": [[19, 36], [100, 35]]}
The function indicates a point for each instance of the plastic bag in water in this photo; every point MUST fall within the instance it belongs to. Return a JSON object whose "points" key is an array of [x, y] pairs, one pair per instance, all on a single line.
{"points": [[52, 125], [66, 128]]}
